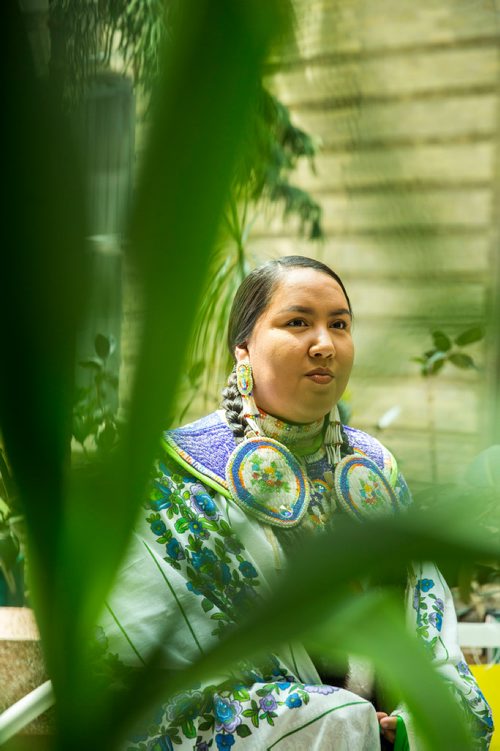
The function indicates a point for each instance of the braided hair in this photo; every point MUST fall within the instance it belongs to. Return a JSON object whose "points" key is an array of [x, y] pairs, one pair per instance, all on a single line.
{"points": [[232, 404], [251, 300]]}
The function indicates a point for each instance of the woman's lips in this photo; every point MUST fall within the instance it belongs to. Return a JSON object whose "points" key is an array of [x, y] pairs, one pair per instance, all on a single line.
{"points": [[320, 377]]}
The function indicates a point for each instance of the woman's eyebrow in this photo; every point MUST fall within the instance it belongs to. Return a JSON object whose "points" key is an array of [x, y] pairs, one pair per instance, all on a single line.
{"points": [[311, 311]]}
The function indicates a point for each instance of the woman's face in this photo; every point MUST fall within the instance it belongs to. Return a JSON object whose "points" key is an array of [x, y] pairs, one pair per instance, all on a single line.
{"points": [[301, 349]]}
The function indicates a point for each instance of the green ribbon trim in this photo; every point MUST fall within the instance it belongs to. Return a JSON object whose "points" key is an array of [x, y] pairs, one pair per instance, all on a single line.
{"points": [[401, 743]]}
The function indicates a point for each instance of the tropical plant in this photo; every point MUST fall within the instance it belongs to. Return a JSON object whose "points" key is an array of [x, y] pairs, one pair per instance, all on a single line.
{"points": [[89, 33], [448, 350], [9, 542], [79, 524], [445, 350], [85, 35], [96, 405], [260, 186]]}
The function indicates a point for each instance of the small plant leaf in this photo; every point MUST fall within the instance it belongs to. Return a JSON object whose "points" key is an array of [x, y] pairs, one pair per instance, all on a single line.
{"points": [[243, 731], [434, 363], [102, 346], [460, 360], [441, 341], [474, 334], [196, 371], [92, 363]]}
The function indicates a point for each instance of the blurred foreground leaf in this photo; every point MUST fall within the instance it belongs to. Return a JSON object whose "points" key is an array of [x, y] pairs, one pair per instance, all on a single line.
{"points": [[317, 589], [79, 524]]}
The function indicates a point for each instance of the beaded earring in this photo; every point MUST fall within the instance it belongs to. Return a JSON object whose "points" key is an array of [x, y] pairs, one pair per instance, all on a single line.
{"points": [[244, 378], [244, 384]]}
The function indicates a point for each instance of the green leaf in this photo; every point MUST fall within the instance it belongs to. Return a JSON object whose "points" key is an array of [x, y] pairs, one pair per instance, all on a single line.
{"points": [[410, 668], [181, 524], [92, 363], [461, 360], [102, 346], [434, 363], [189, 729], [243, 731], [442, 342], [106, 437], [195, 371], [207, 605], [241, 694], [474, 334]]}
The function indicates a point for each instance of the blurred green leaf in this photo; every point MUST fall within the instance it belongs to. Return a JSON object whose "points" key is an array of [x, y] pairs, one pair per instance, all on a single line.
{"points": [[196, 371], [461, 360], [474, 334], [103, 346], [434, 363], [484, 470], [442, 342], [339, 559], [400, 662], [92, 363]]}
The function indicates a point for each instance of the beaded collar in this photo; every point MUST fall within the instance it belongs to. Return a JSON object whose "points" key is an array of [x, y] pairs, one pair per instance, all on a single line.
{"points": [[300, 438]]}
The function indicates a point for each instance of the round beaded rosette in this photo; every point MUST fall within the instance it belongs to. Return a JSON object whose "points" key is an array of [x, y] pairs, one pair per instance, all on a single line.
{"points": [[266, 480], [362, 490]]}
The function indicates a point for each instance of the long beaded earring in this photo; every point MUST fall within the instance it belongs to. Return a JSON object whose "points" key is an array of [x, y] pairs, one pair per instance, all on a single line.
{"points": [[244, 378], [244, 384]]}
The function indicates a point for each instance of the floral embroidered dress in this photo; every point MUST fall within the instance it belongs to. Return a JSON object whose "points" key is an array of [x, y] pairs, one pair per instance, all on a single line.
{"points": [[198, 561]]}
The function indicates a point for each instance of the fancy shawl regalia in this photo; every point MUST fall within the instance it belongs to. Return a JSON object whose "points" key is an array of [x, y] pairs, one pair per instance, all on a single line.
{"points": [[201, 558]]}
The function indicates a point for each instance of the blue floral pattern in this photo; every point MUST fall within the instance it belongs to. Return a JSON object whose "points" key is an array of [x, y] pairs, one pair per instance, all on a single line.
{"points": [[429, 609], [229, 712], [197, 541]]}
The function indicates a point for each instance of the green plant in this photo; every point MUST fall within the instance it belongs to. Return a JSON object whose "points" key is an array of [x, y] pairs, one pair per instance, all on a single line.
{"points": [[273, 148], [10, 545], [95, 409], [86, 35], [447, 350]]}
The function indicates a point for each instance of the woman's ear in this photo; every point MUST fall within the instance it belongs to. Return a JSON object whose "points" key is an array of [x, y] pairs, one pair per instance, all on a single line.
{"points": [[241, 352]]}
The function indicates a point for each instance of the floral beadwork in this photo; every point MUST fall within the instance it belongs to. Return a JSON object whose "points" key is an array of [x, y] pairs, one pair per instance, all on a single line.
{"points": [[430, 611], [429, 608], [481, 719], [229, 710], [266, 480], [186, 522], [267, 476]]}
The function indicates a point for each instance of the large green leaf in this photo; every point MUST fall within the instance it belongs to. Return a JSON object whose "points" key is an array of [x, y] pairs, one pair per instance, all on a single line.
{"points": [[316, 587], [79, 527], [371, 626]]}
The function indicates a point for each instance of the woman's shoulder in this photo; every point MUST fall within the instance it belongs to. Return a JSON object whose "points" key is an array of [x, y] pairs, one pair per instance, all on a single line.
{"points": [[202, 448], [369, 445]]}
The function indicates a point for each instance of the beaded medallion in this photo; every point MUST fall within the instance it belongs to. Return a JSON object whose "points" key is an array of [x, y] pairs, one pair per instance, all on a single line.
{"points": [[266, 480], [362, 490]]}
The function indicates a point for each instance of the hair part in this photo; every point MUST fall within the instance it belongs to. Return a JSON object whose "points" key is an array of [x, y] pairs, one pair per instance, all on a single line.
{"points": [[254, 294]]}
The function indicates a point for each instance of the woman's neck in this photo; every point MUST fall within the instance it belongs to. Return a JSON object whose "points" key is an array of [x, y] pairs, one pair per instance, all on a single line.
{"points": [[298, 436]]}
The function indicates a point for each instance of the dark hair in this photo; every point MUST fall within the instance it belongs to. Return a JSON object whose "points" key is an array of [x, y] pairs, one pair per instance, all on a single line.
{"points": [[255, 292]]}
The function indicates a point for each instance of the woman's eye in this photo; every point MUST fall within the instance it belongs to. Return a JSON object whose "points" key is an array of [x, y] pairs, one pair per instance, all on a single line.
{"points": [[339, 325], [296, 322]]}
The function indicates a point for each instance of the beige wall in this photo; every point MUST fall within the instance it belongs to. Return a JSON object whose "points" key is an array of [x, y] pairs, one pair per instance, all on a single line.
{"points": [[404, 99]]}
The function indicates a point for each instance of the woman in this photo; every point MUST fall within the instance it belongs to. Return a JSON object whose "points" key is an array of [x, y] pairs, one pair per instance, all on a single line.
{"points": [[233, 493]]}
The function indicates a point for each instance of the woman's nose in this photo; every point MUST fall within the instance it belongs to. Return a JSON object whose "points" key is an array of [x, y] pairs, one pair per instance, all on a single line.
{"points": [[322, 346]]}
